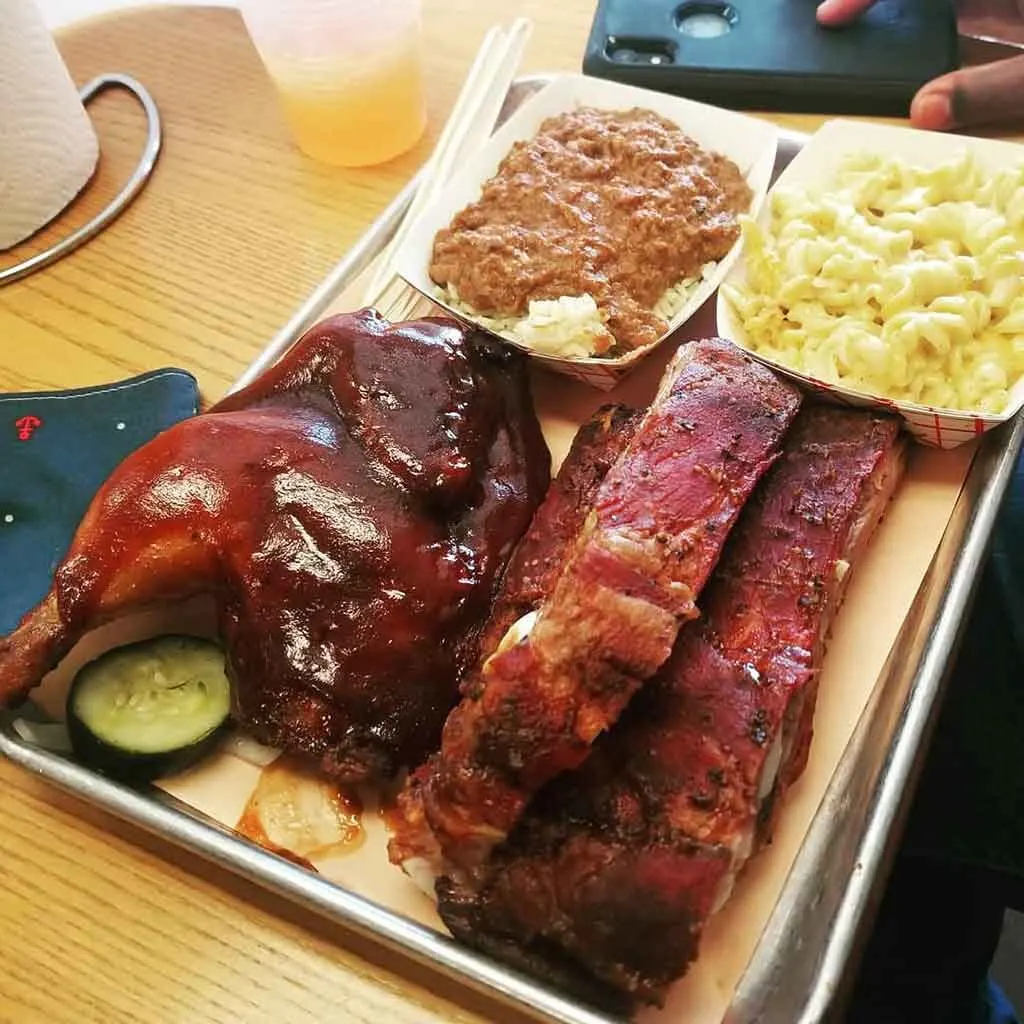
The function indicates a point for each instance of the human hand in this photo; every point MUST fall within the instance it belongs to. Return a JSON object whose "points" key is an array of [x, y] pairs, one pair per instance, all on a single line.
{"points": [[988, 92]]}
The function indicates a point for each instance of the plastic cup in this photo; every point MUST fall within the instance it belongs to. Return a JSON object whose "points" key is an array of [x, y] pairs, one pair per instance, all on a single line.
{"points": [[348, 73]]}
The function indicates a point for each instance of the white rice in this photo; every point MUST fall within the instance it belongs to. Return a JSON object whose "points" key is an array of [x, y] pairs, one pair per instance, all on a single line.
{"points": [[570, 326]]}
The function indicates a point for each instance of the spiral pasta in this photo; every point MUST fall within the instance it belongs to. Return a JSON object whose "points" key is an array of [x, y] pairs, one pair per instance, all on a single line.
{"points": [[902, 281]]}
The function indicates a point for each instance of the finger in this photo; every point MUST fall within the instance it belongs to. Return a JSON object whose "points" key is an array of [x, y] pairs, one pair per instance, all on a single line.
{"points": [[978, 95], [838, 12]]}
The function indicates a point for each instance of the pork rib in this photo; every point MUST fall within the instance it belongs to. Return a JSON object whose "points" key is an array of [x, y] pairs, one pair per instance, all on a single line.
{"points": [[533, 568], [629, 580], [528, 580], [618, 866]]}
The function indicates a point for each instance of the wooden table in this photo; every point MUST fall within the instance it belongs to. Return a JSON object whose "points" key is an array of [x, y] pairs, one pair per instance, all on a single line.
{"points": [[99, 922]]}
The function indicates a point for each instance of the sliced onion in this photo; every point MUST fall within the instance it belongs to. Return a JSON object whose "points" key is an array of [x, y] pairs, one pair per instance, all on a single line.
{"points": [[248, 749], [52, 736], [309, 816], [422, 875]]}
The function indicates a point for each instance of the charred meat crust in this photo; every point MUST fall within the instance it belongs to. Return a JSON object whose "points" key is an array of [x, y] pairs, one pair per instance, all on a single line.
{"points": [[620, 863], [540, 959], [630, 579], [528, 579], [534, 566]]}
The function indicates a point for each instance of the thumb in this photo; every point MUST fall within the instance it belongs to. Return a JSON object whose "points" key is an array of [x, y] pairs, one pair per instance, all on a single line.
{"points": [[977, 95], [833, 13]]}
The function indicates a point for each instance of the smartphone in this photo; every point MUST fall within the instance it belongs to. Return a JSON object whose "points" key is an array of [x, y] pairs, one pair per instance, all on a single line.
{"points": [[772, 54]]}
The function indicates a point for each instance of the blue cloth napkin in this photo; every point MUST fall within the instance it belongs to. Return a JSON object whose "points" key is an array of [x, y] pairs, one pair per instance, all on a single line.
{"points": [[56, 449]]}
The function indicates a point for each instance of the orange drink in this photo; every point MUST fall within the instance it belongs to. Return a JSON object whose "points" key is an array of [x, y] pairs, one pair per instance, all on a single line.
{"points": [[348, 74]]}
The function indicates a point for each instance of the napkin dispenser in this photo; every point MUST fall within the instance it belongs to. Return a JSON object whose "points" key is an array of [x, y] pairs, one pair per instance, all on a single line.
{"points": [[48, 147]]}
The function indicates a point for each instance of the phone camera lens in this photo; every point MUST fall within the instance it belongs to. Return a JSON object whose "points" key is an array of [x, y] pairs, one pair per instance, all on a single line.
{"points": [[705, 19]]}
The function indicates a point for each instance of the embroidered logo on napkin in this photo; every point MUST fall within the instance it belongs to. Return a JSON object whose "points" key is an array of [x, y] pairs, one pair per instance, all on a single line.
{"points": [[56, 449]]}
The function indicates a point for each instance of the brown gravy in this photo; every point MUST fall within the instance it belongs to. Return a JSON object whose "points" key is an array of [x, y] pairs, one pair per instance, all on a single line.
{"points": [[618, 204]]}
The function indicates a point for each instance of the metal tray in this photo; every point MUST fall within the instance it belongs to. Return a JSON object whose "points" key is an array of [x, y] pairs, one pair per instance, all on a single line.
{"points": [[797, 971]]}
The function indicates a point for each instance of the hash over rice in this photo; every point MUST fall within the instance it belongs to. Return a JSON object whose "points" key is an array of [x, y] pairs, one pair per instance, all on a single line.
{"points": [[569, 327]]}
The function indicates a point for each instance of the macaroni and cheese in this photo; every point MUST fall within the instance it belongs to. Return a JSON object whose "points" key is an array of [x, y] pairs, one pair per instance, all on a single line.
{"points": [[900, 281]]}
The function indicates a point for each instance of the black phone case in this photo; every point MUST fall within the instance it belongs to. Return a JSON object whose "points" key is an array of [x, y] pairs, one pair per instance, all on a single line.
{"points": [[774, 55]]}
